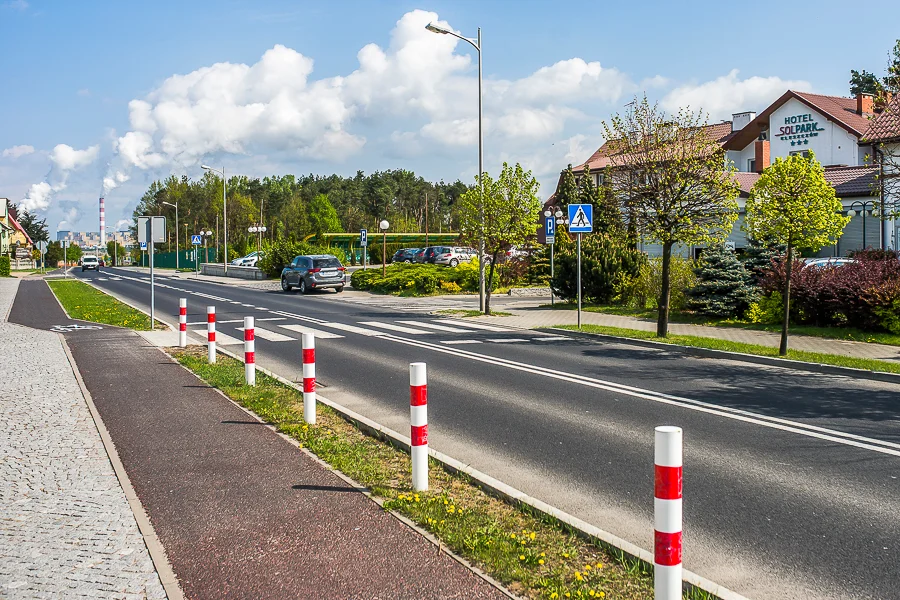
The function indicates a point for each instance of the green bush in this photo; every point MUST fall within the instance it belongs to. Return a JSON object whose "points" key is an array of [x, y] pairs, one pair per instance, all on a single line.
{"points": [[642, 291], [417, 280], [604, 261], [769, 310], [4, 266], [723, 286]]}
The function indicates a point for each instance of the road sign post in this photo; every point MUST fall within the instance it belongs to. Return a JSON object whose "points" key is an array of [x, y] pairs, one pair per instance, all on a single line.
{"points": [[151, 229], [550, 238], [42, 246], [364, 244], [196, 240], [581, 220]]}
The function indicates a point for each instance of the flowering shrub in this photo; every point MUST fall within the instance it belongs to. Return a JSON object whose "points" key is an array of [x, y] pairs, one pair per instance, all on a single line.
{"points": [[417, 279], [864, 294]]}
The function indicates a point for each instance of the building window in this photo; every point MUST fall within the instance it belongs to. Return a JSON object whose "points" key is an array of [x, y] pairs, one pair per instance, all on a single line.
{"points": [[804, 153], [751, 165]]}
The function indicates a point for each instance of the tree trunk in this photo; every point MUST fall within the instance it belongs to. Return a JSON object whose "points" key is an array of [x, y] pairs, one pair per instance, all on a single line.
{"points": [[783, 348], [662, 322], [487, 285]]}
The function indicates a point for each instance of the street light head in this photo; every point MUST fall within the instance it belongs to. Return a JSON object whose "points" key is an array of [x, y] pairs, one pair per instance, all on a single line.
{"points": [[547, 213], [436, 28], [851, 213], [384, 224], [558, 213], [205, 167]]}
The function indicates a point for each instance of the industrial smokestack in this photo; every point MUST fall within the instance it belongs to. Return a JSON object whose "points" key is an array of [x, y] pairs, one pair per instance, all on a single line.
{"points": [[102, 224]]}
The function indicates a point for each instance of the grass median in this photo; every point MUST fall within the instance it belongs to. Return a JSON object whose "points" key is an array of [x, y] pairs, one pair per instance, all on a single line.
{"points": [[87, 303], [744, 348], [533, 556], [458, 312]]}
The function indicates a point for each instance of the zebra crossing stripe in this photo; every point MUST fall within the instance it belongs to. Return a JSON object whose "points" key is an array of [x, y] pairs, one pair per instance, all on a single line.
{"points": [[322, 335], [221, 338], [270, 336], [435, 326], [475, 325], [392, 327]]}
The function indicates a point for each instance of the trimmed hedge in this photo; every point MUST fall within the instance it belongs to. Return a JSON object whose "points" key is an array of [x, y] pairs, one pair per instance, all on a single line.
{"points": [[279, 254], [418, 279], [4, 266]]}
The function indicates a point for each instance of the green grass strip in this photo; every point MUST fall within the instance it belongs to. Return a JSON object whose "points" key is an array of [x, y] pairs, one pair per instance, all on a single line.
{"points": [[533, 556], [729, 346], [458, 312], [87, 303]]}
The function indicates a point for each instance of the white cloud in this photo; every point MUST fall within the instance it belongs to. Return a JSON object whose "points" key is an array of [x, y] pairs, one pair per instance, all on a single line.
{"points": [[567, 81], [728, 94], [38, 196], [19, 5], [17, 151], [66, 158]]}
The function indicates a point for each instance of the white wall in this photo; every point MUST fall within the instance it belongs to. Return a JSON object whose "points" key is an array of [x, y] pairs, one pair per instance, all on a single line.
{"points": [[832, 144]]}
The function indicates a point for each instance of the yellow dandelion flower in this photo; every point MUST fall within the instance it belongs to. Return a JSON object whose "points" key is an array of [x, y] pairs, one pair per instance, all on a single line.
{"points": [[532, 535], [587, 567], [578, 576], [592, 593], [541, 561], [554, 595], [512, 535], [602, 594], [542, 554], [521, 557], [599, 565], [568, 595]]}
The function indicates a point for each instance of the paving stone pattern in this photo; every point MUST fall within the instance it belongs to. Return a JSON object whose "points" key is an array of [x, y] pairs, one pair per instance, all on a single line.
{"points": [[66, 529]]}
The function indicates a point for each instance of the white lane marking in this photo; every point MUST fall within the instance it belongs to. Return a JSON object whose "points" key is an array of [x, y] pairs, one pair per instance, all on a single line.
{"points": [[102, 279], [234, 302], [115, 279], [507, 340], [247, 305], [272, 319], [476, 325], [354, 329], [230, 321], [322, 335], [831, 435], [434, 326], [392, 327], [221, 338], [455, 342], [295, 316], [271, 336], [550, 338]]}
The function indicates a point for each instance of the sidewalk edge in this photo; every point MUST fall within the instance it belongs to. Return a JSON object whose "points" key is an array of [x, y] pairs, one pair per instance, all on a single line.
{"points": [[501, 490], [347, 479], [157, 553], [784, 363], [5, 318]]}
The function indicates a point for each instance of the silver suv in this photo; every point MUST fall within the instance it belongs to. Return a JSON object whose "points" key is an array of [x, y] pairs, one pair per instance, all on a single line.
{"points": [[313, 272], [451, 255]]}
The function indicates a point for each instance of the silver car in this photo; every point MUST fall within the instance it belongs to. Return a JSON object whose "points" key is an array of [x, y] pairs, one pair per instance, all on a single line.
{"points": [[318, 271], [451, 255]]}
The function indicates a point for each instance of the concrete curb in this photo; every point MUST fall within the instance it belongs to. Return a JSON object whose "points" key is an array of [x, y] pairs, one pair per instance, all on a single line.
{"points": [[507, 493], [157, 553], [784, 363]]}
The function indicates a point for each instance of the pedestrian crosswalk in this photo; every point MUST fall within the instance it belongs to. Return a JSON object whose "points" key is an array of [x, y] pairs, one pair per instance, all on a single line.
{"points": [[458, 332]]}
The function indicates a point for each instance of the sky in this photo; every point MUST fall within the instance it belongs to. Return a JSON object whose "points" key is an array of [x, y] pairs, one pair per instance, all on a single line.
{"points": [[102, 98]]}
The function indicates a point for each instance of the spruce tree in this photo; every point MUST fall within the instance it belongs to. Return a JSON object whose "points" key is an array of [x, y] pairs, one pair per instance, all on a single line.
{"points": [[567, 192], [723, 284], [758, 258]]}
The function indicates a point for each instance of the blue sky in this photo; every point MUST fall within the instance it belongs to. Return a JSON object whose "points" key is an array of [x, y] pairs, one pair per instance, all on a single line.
{"points": [[336, 86]]}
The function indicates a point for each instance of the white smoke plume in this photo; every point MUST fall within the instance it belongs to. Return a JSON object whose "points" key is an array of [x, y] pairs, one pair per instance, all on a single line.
{"points": [[66, 160]]}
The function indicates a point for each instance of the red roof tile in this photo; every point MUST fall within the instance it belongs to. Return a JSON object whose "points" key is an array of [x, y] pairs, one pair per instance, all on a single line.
{"points": [[886, 126], [847, 181], [16, 225]]}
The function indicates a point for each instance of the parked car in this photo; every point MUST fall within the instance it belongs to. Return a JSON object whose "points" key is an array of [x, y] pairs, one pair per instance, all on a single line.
{"points": [[404, 255], [102, 262], [451, 255], [419, 256], [248, 261], [428, 255], [829, 262], [89, 262], [316, 271]]}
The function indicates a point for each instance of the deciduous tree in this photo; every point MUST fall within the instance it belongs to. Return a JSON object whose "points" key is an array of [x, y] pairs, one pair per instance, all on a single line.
{"points": [[511, 209], [792, 204], [669, 171]]}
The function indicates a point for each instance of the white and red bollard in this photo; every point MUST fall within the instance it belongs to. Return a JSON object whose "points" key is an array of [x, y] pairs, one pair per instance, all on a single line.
{"points": [[211, 333], [667, 513], [418, 420], [182, 322], [308, 341], [249, 351]]}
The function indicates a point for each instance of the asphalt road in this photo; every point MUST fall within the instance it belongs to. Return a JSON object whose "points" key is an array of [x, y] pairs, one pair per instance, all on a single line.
{"points": [[790, 479]]}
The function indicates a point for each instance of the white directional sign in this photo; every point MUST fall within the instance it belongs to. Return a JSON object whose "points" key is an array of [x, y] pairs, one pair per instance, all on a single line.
{"points": [[550, 230], [42, 246], [363, 237], [581, 218], [196, 240]]}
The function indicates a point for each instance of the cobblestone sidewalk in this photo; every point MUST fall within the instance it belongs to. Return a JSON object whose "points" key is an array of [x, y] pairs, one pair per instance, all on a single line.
{"points": [[66, 529]]}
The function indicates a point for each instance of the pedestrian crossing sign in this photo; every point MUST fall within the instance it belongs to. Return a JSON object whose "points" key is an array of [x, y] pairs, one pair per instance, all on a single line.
{"points": [[581, 218], [195, 240]]}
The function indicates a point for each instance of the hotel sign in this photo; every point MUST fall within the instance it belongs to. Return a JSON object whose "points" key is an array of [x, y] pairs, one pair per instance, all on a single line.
{"points": [[798, 129]]}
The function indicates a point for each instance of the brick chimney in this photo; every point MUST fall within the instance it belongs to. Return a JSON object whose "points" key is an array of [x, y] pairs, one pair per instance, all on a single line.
{"points": [[761, 150], [865, 104]]}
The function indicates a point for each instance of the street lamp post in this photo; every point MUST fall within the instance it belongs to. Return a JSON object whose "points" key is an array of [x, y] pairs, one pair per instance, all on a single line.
{"points": [[863, 210], [224, 215], [176, 232], [476, 43], [205, 235], [260, 229], [558, 216], [115, 246], [384, 227]]}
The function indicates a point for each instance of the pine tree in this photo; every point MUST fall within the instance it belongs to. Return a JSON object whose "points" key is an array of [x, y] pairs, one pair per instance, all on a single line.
{"points": [[723, 284], [567, 193], [758, 258]]}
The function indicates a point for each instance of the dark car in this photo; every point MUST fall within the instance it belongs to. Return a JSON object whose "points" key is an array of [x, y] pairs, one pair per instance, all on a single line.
{"points": [[313, 272], [404, 255], [417, 257], [429, 255]]}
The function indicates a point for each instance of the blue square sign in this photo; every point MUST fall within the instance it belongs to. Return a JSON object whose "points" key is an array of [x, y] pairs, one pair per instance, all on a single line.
{"points": [[581, 218]]}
